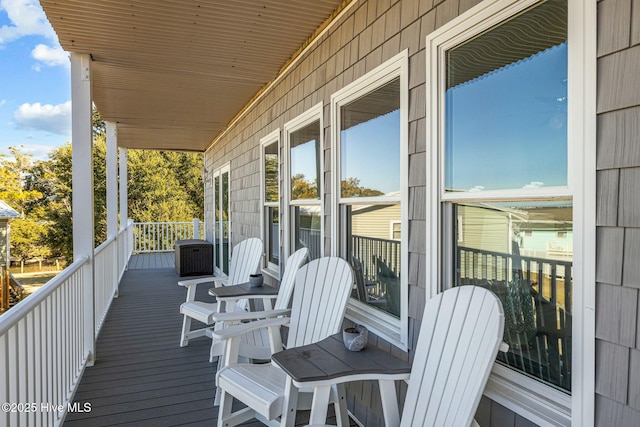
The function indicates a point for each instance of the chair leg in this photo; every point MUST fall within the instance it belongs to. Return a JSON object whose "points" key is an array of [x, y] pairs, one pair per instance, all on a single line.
{"points": [[389, 402], [288, 417], [218, 396], [186, 327], [340, 405], [224, 410]]}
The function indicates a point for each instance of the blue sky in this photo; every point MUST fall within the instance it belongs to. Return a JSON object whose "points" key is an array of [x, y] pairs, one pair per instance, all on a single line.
{"points": [[35, 86], [508, 128]]}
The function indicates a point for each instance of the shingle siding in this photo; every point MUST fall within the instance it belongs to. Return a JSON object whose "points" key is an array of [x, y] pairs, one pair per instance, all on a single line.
{"points": [[614, 36], [618, 220], [373, 31]]}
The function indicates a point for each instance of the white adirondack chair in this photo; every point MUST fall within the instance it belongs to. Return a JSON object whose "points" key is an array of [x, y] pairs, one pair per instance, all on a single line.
{"points": [[245, 260], [459, 339], [255, 344], [320, 298]]}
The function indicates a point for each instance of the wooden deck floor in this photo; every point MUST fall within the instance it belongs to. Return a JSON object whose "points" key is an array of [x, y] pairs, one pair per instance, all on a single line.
{"points": [[141, 376], [160, 260]]}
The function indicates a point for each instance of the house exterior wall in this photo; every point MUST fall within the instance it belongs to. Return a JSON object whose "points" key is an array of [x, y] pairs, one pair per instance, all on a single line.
{"points": [[375, 222], [618, 214], [369, 33]]}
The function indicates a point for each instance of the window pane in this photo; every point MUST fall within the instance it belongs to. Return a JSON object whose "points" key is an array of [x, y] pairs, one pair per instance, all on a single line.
{"points": [[306, 229], [273, 235], [271, 176], [305, 162], [370, 143], [515, 250], [506, 104], [375, 258], [225, 222], [217, 226]]}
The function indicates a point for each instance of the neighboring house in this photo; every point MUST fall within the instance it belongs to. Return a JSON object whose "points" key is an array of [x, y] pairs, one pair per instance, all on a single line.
{"points": [[6, 214], [449, 105]]}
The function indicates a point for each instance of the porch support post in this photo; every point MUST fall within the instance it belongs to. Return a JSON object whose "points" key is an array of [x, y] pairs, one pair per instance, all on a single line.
{"points": [[82, 206], [112, 179], [112, 200], [124, 213]]}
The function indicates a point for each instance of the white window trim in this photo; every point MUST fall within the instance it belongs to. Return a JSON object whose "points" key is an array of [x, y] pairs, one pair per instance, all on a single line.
{"points": [[272, 138], [309, 116], [525, 396], [395, 331]]}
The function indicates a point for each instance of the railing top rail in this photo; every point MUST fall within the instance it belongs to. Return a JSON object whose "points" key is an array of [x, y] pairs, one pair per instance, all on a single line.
{"points": [[22, 309], [523, 257], [377, 239], [104, 245], [165, 222]]}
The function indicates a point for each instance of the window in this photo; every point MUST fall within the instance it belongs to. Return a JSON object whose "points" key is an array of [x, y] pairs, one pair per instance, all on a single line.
{"points": [[271, 200], [395, 230], [368, 120], [221, 224], [508, 194], [304, 186]]}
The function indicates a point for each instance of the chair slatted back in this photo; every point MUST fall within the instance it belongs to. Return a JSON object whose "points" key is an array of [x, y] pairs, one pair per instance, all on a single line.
{"points": [[320, 299], [245, 261], [459, 338], [293, 264]]}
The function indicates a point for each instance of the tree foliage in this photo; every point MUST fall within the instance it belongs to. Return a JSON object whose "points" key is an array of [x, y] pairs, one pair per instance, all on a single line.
{"points": [[162, 186]]}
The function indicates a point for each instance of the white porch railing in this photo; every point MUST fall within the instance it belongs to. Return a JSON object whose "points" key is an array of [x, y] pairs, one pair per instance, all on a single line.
{"points": [[109, 268], [151, 237], [42, 345]]}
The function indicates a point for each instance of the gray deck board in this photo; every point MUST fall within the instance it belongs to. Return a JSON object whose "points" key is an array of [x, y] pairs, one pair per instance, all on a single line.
{"points": [[141, 376]]}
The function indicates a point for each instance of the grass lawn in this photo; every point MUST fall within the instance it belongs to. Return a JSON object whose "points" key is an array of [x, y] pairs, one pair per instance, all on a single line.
{"points": [[32, 281]]}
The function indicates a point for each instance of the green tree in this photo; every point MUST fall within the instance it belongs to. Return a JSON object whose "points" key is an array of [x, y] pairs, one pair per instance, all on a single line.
{"points": [[12, 176], [350, 187], [155, 192], [303, 189], [28, 239], [163, 186]]}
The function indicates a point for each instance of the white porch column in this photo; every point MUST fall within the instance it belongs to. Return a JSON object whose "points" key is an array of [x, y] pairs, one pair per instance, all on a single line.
{"points": [[124, 212], [82, 167], [112, 179]]}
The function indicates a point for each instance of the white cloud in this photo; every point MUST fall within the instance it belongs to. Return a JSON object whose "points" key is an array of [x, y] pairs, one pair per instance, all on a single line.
{"points": [[50, 56], [27, 19], [47, 118], [534, 184], [39, 152], [2, 102], [477, 188]]}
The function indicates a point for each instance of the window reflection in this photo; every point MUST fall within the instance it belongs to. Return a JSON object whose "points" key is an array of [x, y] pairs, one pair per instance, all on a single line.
{"points": [[374, 256], [506, 105], [271, 168], [370, 143], [273, 235], [271, 201], [306, 227], [523, 252], [305, 162]]}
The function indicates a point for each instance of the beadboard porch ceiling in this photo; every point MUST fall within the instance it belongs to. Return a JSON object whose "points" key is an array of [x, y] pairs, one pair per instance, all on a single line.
{"points": [[173, 74]]}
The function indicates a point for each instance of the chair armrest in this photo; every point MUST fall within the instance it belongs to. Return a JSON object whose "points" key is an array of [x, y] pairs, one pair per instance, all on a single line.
{"points": [[243, 328], [247, 296], [237, 316], [192, 284], [218, 281]]}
